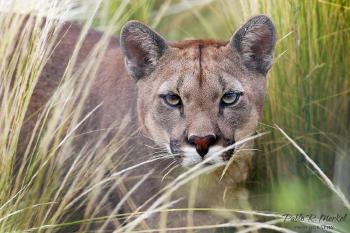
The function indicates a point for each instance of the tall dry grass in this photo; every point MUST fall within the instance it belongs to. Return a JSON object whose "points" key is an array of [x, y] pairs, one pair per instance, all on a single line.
{"points": [[308, 97], [38, 189]]}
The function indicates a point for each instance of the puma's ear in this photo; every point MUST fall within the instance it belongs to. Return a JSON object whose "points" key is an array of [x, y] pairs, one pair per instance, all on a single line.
{"points": [[255, 42], [142, 48]]}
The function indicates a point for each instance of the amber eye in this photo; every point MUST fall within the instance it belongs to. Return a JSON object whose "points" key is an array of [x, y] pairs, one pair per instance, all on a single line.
{"points": [[231, 97], [171, 99]]}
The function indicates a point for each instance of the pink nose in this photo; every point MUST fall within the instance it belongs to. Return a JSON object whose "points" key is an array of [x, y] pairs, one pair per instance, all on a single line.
{"points": [[202, 144]]}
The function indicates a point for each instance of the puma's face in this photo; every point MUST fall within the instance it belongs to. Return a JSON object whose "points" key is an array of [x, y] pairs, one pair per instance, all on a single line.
{"points": [[198, 97]]}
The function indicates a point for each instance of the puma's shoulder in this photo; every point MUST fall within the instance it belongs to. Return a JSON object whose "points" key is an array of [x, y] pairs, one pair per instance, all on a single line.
{"points": [[111, 87]]}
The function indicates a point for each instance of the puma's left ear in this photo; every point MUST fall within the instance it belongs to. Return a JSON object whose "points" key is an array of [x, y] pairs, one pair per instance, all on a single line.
{"points": [[142, 48], [255, 42]]}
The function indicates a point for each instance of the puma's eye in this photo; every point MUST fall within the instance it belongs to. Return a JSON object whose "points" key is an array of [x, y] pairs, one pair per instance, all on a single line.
{"points": [[231, 97], [172, 100]]}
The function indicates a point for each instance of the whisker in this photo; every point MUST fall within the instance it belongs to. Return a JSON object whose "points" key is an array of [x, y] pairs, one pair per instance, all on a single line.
{"points": [[168, 166], [241, 142], [167, 154], [158, 151], [161, 156], [236, 144], [154, 147], [247, 150], [170, 170]]}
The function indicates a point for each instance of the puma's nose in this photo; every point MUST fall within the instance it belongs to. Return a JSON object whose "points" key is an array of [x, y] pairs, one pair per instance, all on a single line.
{"points": [[202, 144]]}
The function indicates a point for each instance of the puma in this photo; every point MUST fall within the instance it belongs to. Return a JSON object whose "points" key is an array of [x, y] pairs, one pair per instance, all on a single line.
{"points": [[190, 98]]}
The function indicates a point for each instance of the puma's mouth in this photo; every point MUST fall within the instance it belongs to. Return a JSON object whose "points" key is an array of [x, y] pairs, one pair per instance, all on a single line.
{"points": [[188, 156]]}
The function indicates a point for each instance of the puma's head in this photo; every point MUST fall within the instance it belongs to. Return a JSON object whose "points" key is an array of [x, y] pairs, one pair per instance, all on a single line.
{"points": [[197, 97]]}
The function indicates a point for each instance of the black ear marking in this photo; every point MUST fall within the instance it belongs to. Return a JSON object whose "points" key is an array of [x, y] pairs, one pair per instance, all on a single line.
{"points": [[142, 48], [255, 42]]}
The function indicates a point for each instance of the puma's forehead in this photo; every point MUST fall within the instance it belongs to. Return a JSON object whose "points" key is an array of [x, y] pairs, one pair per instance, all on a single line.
{"points": [[204, 55], [200, 64]]}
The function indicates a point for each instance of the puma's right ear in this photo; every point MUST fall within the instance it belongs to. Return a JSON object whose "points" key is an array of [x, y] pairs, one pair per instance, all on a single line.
{"points": [[142, 48], [255, 42]]}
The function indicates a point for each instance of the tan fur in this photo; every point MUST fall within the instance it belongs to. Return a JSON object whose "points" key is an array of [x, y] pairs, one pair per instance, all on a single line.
{"points": [[199, 71]]}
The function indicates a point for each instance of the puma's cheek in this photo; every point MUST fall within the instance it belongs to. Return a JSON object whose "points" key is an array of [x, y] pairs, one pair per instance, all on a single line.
{"points": [[156, 132]]}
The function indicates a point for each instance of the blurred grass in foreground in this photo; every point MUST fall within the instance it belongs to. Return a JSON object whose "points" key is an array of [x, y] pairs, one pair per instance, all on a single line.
{"points": [[308, 97]]}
